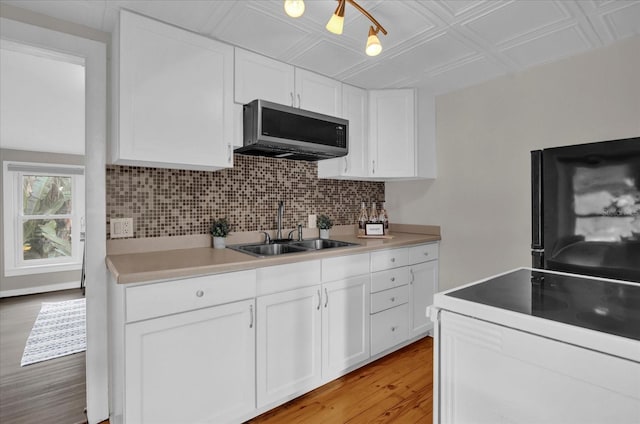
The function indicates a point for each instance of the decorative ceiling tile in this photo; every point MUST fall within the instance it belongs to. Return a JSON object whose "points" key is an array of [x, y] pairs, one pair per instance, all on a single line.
{"points": [[463, 74], [625, 21], [515, 19], [548, 47], [328, 58]]}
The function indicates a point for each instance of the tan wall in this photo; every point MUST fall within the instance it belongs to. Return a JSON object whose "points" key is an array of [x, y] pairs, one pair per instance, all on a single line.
{"points": [[481, 197], [25, 282]]}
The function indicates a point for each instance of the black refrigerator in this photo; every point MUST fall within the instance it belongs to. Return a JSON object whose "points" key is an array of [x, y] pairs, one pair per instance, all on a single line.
{"points": [[586, 209]]}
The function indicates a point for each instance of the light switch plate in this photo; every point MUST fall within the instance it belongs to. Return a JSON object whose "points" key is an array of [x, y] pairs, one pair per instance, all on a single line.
{"points": [[312, 221], [121, 227]]}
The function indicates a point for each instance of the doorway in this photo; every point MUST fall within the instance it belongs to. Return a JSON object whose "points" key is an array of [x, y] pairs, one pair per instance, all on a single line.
{"points": [[94, 55]]}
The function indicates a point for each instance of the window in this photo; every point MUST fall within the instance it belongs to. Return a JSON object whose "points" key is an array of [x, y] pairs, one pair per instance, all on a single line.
{"points": [[43, 217]]}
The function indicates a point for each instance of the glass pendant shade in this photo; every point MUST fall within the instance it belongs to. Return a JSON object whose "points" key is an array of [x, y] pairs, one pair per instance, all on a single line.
{"points": [[373, 44], [336, 23], [294, 8]]}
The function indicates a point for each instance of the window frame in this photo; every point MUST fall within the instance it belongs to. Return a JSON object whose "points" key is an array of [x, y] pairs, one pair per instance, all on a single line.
{"points": [[14, 217]]}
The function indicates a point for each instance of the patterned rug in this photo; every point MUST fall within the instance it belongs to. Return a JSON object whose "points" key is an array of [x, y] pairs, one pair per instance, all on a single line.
{"points": [[59, 330]]}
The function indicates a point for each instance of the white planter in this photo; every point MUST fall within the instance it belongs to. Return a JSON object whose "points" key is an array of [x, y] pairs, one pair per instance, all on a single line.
{"points": [[218, 242], [324, 234]]}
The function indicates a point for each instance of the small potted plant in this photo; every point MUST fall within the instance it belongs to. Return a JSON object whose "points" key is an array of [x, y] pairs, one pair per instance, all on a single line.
{"points": [[219, 230], [324, 223]]}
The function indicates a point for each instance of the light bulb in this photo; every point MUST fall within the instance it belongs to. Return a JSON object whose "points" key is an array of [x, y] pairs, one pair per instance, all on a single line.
{"points": [[294, 8], [335, 24], [373, 43]]}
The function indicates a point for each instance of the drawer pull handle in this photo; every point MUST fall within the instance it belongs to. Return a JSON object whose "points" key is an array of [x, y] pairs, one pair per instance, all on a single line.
{"points": [[326, 297], [393, 259], [412, 275], [426, 253], [251, 315], [393, 328], [393, 299], [199, 293], [319, 300]]}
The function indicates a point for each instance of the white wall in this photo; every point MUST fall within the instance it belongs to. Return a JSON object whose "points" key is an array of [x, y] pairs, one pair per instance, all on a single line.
{"points": [[481, 197]]}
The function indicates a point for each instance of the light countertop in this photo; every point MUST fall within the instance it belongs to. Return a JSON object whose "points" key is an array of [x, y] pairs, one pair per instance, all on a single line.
{"points": [[189, 262]]}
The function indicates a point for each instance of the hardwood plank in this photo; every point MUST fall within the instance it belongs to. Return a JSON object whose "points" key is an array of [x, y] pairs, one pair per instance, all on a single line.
{"points": [[49, 391], [396, 388]]}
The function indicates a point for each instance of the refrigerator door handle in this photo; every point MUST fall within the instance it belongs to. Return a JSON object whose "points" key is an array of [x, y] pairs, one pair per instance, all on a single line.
{"points": [[537, 218]]}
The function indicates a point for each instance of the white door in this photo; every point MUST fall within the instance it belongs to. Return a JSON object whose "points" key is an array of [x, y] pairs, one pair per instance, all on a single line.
{"points": [[175, 97], [345, 325], [424, 283], [288, 344], [193, 367], [392, 141], [318, 93], [259, 77]]}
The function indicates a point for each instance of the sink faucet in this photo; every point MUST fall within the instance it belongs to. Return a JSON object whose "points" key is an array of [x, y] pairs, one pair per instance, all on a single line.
{"points": [[280, 213]]}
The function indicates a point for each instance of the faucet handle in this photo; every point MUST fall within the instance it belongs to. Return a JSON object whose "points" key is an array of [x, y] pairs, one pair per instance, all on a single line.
{"points": [[267, 237]]}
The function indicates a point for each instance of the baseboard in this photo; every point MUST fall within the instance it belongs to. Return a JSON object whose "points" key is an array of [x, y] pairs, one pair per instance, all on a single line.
{"points": [[40, 289]]}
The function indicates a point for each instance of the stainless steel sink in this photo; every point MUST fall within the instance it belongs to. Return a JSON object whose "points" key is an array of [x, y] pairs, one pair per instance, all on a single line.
{"points": [[282, 248], [268, 249], [317, 244]]}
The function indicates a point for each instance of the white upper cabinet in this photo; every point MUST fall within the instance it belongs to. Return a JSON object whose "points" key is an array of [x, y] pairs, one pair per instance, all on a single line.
{"points": [[392, 133], [172, 97], [355, 108], [318, 93], [260, 77]]}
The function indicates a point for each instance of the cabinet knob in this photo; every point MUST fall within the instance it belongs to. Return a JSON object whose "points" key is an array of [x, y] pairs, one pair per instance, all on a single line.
{"points": [[393, 299], [199, 293], [426, 253], [393, 328], [393, 259], [393, 279]]}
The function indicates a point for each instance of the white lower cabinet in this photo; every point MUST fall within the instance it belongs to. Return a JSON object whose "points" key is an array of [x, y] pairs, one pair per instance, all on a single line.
{"points": [[192, 367], [345, 325], [288, 344], [423, 283]]}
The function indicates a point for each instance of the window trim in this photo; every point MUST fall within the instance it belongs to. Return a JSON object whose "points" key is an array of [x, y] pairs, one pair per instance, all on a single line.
{"points": [[14, 263]]}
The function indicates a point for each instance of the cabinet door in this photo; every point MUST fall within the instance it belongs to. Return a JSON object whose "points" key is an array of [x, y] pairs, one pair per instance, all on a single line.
{"points": [[345, 325], [175, 97], [392, 141], [192, 367], [355, 108], [288, 344], [318, 93], [423, 283], [259, 77]]}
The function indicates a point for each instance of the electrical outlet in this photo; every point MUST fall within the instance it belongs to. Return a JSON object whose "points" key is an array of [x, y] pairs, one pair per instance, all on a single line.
{"points": [[121, 227]]}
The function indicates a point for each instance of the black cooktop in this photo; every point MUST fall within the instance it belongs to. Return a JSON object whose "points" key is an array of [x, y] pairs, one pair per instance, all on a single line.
{"points": [[599, 305]]}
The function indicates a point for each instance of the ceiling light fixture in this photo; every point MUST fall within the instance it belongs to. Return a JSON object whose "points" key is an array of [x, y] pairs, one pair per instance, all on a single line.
{"points": [[295, 8]]}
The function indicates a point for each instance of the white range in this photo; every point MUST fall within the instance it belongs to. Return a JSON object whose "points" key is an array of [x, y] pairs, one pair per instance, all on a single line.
{"points": [[531, 346]]}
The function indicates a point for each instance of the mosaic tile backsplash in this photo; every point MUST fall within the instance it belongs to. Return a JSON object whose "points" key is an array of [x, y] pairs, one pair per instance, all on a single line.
{"points": [[173, 202]]}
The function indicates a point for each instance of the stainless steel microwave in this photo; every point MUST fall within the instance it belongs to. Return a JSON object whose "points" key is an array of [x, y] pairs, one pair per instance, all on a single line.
{"points": [[275, 130]]}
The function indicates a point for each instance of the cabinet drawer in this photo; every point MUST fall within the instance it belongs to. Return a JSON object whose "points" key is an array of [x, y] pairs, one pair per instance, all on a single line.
{"points": [[154, 300], [279, 278], [389, 279], [387, 259], [389, 328], [423, 253], [344, 267], [389, 298]]}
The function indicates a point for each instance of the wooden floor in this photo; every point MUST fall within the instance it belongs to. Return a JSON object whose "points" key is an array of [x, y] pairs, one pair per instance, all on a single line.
{"points": [[395, 389], [51, 391]]}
